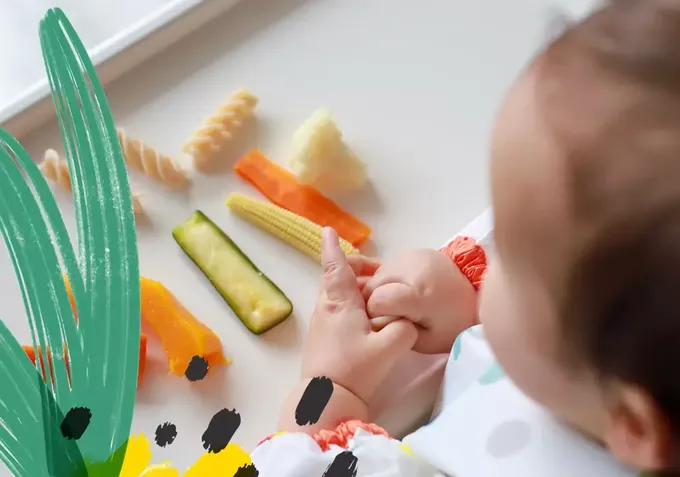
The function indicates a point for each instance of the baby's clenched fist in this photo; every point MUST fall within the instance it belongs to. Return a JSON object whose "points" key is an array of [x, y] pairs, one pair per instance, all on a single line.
{"points": [[427, 288]]}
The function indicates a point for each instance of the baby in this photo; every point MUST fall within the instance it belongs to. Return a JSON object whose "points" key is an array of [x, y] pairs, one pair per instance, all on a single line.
{"points": [[580, 306]]}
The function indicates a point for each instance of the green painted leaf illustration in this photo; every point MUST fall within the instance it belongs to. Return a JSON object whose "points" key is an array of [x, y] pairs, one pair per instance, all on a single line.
{"points": [[103, 347]]}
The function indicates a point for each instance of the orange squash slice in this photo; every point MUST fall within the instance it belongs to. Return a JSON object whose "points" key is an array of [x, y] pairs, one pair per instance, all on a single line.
{"points": [[182, 335]]}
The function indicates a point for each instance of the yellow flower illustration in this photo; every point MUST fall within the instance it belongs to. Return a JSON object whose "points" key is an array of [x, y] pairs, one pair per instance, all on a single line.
{"points": [[137, 458], [135, 463], [138, 455], [222, 464]]}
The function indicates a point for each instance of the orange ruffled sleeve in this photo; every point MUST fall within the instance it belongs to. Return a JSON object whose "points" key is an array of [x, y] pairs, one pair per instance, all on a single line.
{"points": [[344, 432], [470, 257], [340, 436]]}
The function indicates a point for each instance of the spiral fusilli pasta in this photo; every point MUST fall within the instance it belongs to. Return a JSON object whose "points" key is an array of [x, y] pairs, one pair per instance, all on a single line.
{"points": [[146, 159], [55, 168], [219, 128]]}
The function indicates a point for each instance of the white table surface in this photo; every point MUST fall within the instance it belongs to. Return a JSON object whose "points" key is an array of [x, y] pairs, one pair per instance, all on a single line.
{"points": [[414, 86], [97, 20]]}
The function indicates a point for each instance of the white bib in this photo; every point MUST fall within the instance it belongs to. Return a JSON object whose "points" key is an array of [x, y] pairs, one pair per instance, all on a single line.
{"points": [[486, 427]]}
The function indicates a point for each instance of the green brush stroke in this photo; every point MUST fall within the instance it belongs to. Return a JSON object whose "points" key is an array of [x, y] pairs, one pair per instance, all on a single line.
{"points": [[104, 280], [26, 235]]}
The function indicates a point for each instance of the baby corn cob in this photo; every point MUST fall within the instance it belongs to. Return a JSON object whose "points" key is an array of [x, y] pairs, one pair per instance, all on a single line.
{"points": [[293, 229]]}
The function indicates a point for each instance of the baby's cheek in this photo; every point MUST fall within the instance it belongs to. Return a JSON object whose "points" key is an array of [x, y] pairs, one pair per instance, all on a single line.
{"points": [[490, 296], [495, 316], [503, 330], [520, 342]]}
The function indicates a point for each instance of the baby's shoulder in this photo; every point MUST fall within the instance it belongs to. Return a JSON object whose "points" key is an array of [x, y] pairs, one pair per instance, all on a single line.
{"points": [[484, 425]]}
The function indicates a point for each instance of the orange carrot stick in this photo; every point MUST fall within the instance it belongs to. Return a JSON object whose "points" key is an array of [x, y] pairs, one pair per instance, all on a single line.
{"points": [[182, 335], [283, 189], [30, 351]]}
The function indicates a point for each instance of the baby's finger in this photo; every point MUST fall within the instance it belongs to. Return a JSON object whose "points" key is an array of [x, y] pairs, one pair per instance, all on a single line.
{"points": [[363, 266], [361, 281], [374, 282], [339, 281], [394, 299], [381, 322], [396, 337], [381, 277]]}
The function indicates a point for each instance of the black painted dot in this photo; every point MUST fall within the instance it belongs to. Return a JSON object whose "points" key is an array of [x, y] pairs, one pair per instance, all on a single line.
{"points": [[221, 429], [197, 369], [344, 465], [313, 401], [247, 471], [166, 434], [75, 423]]}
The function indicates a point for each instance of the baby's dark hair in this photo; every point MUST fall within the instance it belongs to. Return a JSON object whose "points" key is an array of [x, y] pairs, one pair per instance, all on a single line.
{"points": [[618, 73]]}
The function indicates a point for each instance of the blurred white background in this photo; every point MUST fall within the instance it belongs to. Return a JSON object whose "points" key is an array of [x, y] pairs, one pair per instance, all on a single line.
{"points": [[20, 58]]}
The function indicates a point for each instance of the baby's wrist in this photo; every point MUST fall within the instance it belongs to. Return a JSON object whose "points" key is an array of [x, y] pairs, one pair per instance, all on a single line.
{"points": [[342, 406]]}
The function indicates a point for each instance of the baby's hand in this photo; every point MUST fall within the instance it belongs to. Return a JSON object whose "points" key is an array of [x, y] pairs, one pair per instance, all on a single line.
{"points": [[363, 267], [341, 344], [426, 287]]}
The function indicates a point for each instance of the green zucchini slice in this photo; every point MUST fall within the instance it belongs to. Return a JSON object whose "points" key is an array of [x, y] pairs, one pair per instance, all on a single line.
{"points": [[253, 297]]}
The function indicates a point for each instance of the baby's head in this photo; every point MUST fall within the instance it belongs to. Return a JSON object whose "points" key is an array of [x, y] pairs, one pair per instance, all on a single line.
{"points": [[582, 302]]}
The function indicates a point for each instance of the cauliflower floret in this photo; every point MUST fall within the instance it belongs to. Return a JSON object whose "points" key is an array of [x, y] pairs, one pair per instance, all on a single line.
{"points": [[319, 156]]}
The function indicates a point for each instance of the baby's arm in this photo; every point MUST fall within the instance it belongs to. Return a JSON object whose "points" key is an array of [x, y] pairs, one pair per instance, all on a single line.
{"points": [[341, 347], [310, 450], [343, 406], [448, 280]]}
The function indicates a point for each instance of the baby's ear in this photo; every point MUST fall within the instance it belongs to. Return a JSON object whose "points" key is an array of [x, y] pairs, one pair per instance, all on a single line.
{"points": [[638, 432]]}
